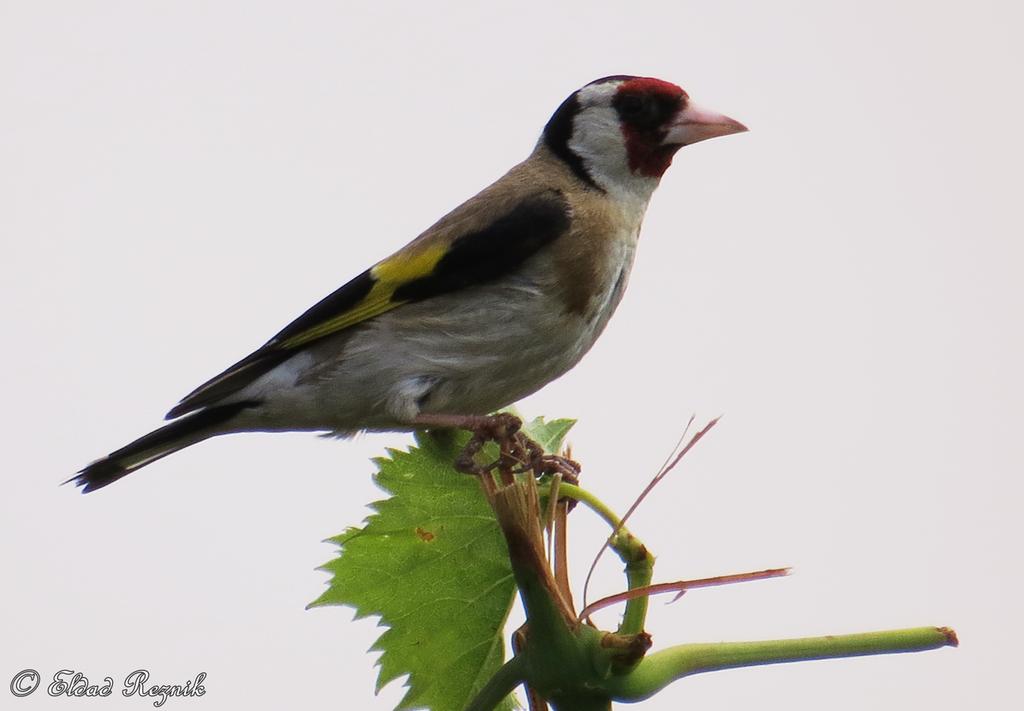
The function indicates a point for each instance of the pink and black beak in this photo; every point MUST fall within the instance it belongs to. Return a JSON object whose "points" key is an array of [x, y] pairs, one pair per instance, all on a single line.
{"points": [[695, 123]]}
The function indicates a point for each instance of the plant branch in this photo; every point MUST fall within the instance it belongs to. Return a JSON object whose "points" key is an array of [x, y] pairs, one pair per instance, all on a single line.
{"points": [[638, 560], [639, 563], [658, 670], [505, 680], [679, 587], [593, 503]]}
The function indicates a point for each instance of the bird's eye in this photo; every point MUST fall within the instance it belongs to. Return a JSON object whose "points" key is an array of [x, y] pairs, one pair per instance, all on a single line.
{"points": [[631, 106]]}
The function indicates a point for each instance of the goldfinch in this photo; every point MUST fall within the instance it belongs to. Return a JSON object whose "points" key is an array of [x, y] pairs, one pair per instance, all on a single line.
{"points": [[498, 298]]}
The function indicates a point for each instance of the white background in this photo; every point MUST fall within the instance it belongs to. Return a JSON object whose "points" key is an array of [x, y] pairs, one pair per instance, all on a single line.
{"points": [[180, 179]]}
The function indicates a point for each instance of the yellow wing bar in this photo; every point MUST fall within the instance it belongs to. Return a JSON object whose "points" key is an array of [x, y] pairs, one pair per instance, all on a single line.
{"points": [[401, 268]]}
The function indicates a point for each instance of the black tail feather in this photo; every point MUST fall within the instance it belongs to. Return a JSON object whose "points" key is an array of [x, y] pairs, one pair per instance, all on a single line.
{"points": [[156, 445], [97, 475]]}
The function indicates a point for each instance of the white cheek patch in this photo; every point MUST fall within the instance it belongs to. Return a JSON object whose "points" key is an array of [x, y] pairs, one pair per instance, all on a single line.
{"points": [[598, 140]]}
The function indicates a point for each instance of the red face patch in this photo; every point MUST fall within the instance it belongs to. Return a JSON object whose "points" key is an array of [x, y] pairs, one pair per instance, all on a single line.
{"points": [[646, 106], [653, 86]]}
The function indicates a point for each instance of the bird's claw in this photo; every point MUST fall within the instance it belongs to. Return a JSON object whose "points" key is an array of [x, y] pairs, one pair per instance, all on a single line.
{"points": [[504, 430], [557, 464], [519, 453]]}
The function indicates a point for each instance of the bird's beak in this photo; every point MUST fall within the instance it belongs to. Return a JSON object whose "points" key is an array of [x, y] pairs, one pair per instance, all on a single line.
{"points": [[695, 123]]}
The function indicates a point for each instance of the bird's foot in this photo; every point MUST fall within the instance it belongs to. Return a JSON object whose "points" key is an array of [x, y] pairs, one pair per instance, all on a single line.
{"points": [[502, 428], [519, 453], [557, 464]]}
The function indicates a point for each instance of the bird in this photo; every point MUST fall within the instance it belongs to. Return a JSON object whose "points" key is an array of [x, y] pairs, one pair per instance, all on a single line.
{"points": [[498, 298]]}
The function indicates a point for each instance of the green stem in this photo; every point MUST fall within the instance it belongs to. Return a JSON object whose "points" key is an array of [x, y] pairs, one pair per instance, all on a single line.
{"points": [[503, 683], [658, 670], [591, 502], [639, 562], [639, 573]]}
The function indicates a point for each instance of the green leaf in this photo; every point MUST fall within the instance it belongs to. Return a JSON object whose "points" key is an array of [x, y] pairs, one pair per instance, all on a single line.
{"points": [[548, 435], [432, 564]]}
